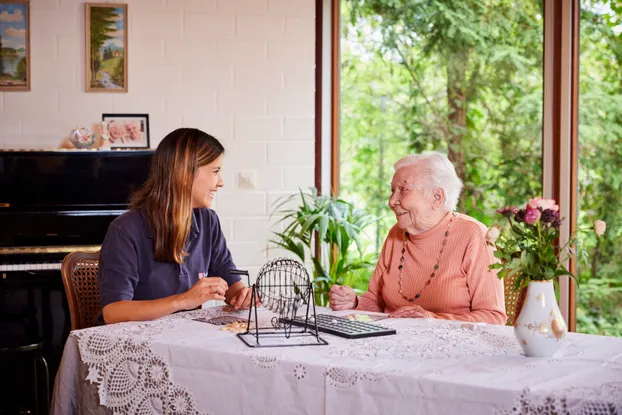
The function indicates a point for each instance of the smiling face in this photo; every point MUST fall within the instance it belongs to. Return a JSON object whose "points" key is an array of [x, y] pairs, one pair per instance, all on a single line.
{"points": [[116, 131], [133, 130], [206, 183], [416, 208]]}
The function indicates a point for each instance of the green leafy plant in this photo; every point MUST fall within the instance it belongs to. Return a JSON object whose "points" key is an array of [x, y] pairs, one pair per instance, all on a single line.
{"points": [[530, 249], [337, 225]]}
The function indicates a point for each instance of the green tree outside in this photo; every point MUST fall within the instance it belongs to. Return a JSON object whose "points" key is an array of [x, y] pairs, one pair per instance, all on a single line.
{"points": [[466, 78]]}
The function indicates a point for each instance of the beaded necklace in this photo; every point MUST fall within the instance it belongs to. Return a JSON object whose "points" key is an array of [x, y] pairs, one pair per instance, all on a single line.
{"points": [[438, 260]]}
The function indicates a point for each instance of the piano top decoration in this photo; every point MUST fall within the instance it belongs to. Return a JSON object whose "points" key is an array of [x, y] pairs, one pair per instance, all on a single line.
{"points": [[82, 137]]}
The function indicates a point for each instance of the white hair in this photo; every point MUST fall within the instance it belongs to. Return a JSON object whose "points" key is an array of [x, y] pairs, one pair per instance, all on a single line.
{"points": [[436, 171]]}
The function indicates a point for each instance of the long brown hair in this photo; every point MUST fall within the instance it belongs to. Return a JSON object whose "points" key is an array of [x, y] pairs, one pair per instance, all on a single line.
{"points": [[166, 197]]}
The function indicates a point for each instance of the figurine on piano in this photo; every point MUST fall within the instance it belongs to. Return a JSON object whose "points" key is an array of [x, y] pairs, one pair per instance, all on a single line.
{"points": [[168, 252], [105, 135]]}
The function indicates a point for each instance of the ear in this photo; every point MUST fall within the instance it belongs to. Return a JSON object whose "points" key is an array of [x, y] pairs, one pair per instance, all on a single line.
{"points": [[438, 198]]}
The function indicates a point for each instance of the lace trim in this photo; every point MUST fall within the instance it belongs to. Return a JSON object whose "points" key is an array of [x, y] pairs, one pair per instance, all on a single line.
{"points": [[445, 341], [605, 399], [131, 377], [345, 378]]}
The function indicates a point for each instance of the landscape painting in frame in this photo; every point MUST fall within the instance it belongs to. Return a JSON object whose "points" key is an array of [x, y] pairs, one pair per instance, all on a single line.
{"points": [[106, 47], [14, 46]]}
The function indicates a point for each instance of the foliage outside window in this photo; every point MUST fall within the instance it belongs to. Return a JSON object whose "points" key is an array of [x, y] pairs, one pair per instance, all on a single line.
{"points": [[466, 78], [599, 304]]}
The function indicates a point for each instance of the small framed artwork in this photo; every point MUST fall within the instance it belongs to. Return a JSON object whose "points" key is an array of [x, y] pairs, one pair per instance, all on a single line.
{"points": [[127, 130], [106, 47], [14, 45]]}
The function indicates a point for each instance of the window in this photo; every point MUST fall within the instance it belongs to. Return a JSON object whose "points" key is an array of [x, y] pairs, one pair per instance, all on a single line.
{"points": [[471, 80], [599, 299], [465, 80]]}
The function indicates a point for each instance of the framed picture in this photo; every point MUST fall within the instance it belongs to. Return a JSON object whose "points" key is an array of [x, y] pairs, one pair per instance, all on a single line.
{"points": [[14, 45], [106, 47], [127, 130]]}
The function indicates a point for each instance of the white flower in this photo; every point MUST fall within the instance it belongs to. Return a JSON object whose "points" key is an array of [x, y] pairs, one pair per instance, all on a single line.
{"points": [[493, 234], [599, 227]]}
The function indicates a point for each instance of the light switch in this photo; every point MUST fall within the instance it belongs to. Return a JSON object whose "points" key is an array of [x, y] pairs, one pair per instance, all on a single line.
{"points": [[247, 179]]}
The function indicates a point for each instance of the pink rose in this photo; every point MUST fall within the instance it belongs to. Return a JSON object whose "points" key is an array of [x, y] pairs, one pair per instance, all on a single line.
{"points": [[538, 202], [532, 215], [599, 227], [492, 235]]}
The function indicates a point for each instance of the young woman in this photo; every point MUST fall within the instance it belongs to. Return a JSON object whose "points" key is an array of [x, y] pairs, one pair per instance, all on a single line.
{"points": [[168, 253]]}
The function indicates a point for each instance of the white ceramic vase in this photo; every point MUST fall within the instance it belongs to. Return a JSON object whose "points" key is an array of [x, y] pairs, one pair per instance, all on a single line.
{"points": [[540, 326]]}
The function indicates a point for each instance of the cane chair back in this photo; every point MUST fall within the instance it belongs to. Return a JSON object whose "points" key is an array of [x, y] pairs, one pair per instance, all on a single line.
{"points": [[79, 271], [513, 299]]}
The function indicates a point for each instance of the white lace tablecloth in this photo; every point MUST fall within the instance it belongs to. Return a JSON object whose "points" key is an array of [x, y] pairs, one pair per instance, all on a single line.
{"points": [[176, 365]]}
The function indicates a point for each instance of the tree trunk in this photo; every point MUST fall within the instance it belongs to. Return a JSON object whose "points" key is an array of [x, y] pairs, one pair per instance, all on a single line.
{"points": [[456, 98]]}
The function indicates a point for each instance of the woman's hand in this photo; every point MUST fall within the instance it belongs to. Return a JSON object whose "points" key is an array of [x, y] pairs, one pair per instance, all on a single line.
{"points": [[411, 311], [242, 299], [342, 298], [209, 288]]}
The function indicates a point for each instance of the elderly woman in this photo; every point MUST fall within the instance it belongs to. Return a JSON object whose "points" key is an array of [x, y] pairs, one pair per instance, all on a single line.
{"points": [[434, 262]]}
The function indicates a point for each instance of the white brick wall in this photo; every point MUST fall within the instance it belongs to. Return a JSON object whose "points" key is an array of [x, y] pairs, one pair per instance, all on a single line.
{"points": [[242, 70]]}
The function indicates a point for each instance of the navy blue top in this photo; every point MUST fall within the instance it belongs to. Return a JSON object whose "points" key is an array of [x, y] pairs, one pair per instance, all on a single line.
{"points": [[128, 271]]}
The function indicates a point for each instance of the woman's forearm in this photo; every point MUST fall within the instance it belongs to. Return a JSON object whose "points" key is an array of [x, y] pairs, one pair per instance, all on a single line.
{"points": [[131, 310]]}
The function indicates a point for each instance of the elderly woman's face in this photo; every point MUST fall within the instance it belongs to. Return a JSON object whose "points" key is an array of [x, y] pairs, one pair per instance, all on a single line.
{"points": [[411, 204]]}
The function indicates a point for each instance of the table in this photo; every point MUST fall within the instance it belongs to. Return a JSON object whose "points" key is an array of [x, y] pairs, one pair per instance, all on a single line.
{"points": [[182, 366]]}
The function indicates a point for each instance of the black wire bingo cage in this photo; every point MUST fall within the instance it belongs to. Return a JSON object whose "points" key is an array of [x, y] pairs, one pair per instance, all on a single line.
{"points": [[283, 286]]}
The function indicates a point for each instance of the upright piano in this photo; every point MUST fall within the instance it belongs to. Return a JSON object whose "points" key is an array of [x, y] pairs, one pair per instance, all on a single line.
{"points": [[53, 203]]}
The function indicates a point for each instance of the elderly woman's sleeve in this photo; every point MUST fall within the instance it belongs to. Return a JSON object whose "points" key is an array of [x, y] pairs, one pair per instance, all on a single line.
{"points": [[372, 299], [486, 289]]}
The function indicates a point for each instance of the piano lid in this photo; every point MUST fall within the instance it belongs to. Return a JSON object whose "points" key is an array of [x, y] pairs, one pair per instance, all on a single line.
{"points": [[62, 181], [50, 200]]}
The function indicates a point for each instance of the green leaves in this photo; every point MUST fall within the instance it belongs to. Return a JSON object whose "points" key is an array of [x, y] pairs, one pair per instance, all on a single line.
{"points": [[335, 223]]}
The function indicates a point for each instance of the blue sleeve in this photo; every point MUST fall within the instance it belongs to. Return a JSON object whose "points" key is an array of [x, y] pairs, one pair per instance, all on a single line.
{"points": [[221, 262], [118, 271]]}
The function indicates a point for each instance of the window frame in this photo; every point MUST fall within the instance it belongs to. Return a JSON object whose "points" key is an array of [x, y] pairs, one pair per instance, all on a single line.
{"points": [[559, 119]]}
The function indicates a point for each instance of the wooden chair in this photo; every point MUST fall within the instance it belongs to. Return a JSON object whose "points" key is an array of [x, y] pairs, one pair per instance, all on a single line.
{"points": [[79, 271], [513, 299]]}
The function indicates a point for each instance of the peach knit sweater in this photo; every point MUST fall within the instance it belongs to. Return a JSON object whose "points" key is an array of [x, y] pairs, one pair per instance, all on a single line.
{"points": [[463, 287]]}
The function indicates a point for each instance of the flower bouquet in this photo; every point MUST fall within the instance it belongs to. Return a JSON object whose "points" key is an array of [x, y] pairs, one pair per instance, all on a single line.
{"points": [[530, 252]]}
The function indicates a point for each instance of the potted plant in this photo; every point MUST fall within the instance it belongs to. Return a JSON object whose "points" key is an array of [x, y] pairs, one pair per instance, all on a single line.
{"points": [[337, 226], [530, 252]]}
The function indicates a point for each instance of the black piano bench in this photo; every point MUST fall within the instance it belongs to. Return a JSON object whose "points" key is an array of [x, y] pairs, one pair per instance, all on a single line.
{"points": [[17, 359]]}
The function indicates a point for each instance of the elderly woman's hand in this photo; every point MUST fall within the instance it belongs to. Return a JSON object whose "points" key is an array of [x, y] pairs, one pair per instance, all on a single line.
{"points": [[342, 298], [411, 311]]}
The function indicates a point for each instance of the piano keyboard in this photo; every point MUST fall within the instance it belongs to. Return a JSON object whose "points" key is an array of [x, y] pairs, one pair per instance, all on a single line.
{"points": [[31, 267]]}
